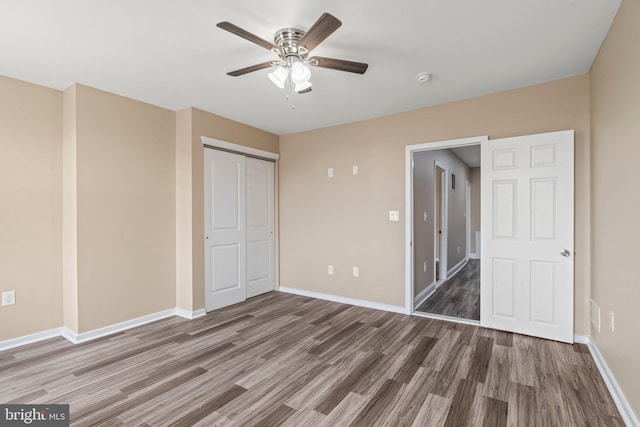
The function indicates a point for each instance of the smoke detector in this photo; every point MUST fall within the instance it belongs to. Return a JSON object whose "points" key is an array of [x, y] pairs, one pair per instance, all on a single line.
{"points": [[423, 77]]}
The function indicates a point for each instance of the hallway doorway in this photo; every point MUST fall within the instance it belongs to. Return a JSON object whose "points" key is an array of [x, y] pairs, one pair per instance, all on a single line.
{"points": [[445, 231]]}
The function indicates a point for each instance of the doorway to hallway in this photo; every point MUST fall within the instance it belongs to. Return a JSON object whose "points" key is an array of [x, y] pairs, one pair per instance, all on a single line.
{"points": [[459, 296]]}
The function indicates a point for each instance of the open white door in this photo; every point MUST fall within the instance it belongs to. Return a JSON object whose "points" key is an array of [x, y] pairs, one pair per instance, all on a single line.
{"points": [[527, 235], [260, 224], [225, 230]]}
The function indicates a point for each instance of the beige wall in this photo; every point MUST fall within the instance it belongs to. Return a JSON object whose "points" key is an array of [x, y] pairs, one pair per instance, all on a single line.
{"points": [[184, 212], [110, 191], [344, 220], [424, 191], [615, 124], [125, 161], [457, 201], [139, 196], [69, 211], [30, 207], [475, 207], [190, 190]]}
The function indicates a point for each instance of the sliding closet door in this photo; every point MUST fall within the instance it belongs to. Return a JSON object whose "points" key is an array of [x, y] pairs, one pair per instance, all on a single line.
{"points": [[225, 228], [260, 224]]}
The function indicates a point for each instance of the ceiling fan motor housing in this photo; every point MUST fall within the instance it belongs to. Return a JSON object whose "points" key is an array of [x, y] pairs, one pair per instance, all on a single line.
{"points": [[287, 41]]}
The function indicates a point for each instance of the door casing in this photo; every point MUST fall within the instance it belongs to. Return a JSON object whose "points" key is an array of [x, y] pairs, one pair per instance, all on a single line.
{"points": [[409, 255]]}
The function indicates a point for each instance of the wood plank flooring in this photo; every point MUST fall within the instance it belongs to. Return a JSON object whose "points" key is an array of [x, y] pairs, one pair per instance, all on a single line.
{"points": [[282, 359], [458, 296]]}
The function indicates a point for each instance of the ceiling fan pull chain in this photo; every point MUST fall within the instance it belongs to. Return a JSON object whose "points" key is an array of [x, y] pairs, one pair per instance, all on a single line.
{"points": [[290, 96]]}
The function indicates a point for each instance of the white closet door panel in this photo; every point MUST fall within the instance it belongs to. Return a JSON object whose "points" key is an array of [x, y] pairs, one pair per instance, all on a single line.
{"points": [[225, 229], [260, 227]]}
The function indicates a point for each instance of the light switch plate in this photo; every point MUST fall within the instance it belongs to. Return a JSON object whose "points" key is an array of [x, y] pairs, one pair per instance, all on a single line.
{"points": [[355, 170], [330, 269], [356, 271], [394, 215], [612, 321], [330, 173], [8, 298]]}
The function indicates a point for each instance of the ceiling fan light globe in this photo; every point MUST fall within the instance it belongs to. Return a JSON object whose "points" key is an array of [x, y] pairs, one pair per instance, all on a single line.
{"points": [[278, 77], [300, 73], [302, 86]]}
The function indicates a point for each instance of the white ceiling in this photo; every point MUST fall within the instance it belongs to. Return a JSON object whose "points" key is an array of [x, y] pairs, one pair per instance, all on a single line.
{"points": [[170, 52]]}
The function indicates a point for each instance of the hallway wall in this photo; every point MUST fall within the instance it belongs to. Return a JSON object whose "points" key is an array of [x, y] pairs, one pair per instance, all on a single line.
{"points": [[424, 193]]}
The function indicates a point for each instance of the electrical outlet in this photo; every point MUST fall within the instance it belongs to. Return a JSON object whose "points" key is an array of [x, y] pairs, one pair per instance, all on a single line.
{"points": [[8, 298], [424, 267], [355, 170], [330, 173], [394, 215], [330, 269], [356, 271], [612, 321], [458, 248]]}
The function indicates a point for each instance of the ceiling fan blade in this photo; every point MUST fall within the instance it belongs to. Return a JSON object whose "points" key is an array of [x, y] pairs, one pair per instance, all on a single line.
{"points": [[307, 90], [339, 64], [320, 30], [234, 29], [250, 69]]}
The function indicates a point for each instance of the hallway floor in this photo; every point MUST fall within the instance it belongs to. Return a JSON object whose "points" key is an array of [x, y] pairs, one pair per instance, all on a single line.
{"points": [[458, 296]]}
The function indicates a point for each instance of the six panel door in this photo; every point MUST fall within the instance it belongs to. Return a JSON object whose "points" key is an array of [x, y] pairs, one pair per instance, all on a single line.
{"points": [[527, 235]]}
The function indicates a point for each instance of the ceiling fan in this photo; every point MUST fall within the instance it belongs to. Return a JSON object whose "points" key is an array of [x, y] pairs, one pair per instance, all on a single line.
{"points": [[292, 46]]}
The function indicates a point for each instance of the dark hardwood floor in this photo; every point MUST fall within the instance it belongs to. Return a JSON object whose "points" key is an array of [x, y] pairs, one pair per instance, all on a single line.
{"points": [[281, 359], [458, 296]]}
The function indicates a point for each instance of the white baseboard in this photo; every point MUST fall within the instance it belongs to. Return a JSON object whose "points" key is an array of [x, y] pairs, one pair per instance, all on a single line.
{"points": [[345, 300], [28, 339], [581, 339], [118, 327], [627, 414], [424, 295], [456, 268], [190, 314], [76, 338], [474, 256], [447, 318]]}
